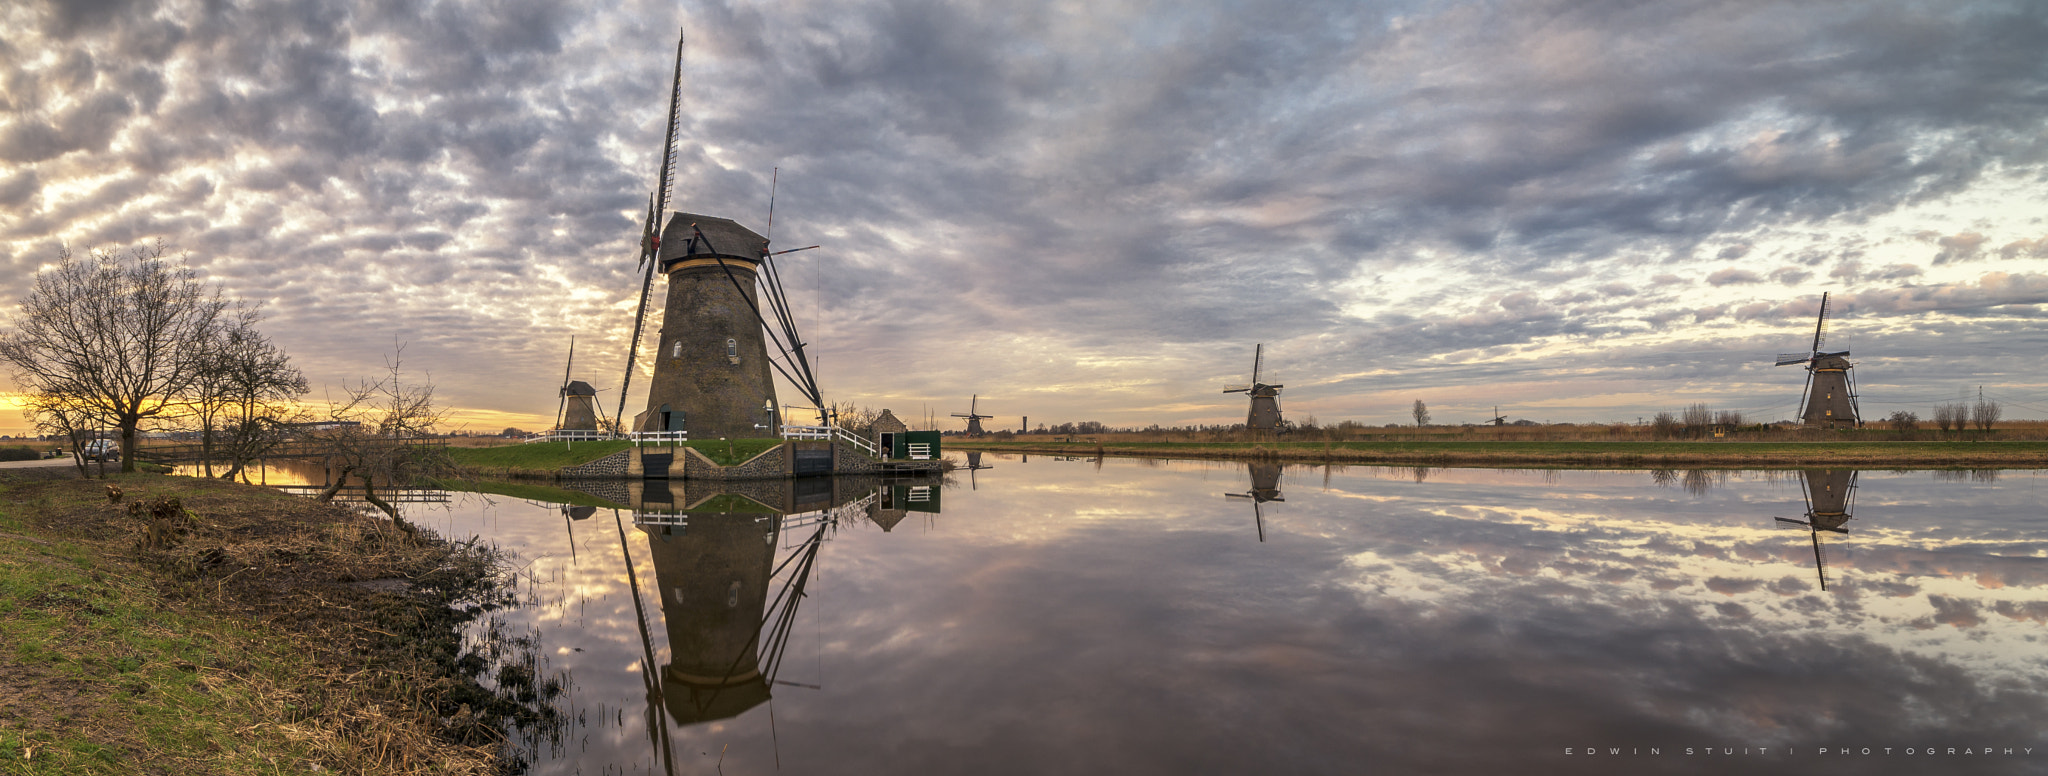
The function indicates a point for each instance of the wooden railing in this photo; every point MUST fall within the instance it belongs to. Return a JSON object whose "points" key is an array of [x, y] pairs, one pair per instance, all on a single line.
{"points": [[832, 432], [572, 435], [659, 437]]}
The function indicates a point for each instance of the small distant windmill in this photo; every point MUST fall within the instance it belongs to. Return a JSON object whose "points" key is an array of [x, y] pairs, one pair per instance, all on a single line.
{"points": [[1265, 411], [973, 417], [1498, 419], [1265, 488], [1830, 494], [577, 408], [1830, 398]]}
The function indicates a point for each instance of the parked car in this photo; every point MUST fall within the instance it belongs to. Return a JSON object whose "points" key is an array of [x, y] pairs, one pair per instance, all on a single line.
{"points": [[100, 450]]}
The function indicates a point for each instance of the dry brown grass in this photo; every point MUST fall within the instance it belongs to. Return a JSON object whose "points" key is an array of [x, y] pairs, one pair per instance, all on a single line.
{"points": [[377, 684]]}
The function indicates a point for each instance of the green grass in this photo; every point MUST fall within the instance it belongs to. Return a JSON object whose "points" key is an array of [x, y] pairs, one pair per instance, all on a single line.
{"points": [[140, 681], [543, 459], [535, 456], [527, 491]]}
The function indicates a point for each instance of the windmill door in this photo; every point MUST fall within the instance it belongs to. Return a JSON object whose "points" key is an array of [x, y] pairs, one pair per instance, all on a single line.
{"points": [[888, 447]]}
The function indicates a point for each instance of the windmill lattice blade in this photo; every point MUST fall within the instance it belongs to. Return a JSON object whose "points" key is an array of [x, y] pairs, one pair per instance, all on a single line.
{"points": [[1236, 388], [1792, 358]]}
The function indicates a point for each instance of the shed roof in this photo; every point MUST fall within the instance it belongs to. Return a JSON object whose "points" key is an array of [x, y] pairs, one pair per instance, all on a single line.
{"points": [[887, 422]]}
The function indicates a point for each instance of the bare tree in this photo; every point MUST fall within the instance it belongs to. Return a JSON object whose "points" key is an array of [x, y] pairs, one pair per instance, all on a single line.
{"points": [[1729, 418], [56, 415], [1697, 417], [1421, 413], [1985, 413], [1950, 416], [116, 337], [243, 402]]}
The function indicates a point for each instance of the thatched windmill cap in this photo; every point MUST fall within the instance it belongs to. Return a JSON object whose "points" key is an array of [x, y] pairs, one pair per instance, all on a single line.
{"points": [[724, 238], [579, 388]]}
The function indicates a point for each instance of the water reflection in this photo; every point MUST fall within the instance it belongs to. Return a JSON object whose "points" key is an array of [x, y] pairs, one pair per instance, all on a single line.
{"points": [[1071, 618], [1265, 488], [1828, 496]]}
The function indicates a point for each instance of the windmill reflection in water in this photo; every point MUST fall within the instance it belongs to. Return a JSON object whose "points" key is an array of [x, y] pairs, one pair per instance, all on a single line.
{"points": [[713, 571], [1265, 488], [1830, 498]]}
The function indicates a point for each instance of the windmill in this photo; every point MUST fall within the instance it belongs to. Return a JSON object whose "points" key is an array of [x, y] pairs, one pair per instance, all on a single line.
{"points": [[1498, 419], [974, 419], [1265, 488], [712, 372], [1830, 495], [1265, 411], [1830, 398]]}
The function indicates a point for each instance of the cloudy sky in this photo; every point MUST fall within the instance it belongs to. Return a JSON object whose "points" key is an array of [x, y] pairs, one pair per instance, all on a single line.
{"points": [[1575, 210]]}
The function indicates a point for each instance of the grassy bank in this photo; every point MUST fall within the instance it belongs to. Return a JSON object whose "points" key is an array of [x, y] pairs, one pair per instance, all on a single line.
{"points": [[527, 490], [544, 459], [228, 633], [1617, 454]]}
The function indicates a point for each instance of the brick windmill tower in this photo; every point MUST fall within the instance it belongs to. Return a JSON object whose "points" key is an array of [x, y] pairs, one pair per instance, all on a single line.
{"points": [[712, 376], [1265, 411]]}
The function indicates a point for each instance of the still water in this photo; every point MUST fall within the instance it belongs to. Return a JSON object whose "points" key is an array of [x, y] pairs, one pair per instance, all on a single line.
{"points": [[1132, 616]]}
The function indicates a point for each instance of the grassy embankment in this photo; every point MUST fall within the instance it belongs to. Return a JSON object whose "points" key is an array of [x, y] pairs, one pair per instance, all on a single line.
{"points": [[226, 635], [1623, 454], [544, 459], [526, 490]]}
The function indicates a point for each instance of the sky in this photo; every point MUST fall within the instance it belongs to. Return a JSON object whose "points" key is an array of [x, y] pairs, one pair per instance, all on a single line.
{"points": [[1577, 211]]}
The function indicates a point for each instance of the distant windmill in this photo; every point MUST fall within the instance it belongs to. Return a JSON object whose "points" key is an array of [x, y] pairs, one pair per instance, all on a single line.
{"points": [[1265, 487], [974, 418], [1265, 411], [1830, 398], [577, 409], [1498, 419], [1829, 496]]}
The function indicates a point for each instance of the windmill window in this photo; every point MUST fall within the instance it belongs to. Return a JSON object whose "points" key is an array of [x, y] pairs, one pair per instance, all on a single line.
{"points": [[677, 350], [732, 350], [732, 595]]}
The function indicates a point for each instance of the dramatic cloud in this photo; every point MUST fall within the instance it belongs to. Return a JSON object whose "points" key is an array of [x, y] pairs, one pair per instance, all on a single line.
{"points": [[1079, 213]]}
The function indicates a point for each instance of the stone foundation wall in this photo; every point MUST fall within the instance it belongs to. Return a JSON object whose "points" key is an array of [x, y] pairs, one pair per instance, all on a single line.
{"points": [[609, 467], [612, 489]]}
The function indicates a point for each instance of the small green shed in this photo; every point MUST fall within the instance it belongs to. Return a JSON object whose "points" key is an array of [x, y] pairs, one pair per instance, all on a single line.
{"points": [[914, 445]]}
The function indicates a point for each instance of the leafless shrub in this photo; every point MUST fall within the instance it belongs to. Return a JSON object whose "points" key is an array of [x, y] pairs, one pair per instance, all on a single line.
{"points": [[1903, 421], [1664, 426]]}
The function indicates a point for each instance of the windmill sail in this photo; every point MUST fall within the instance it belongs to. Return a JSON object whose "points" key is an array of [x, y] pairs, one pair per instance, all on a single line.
{"points": [[650, 238]]}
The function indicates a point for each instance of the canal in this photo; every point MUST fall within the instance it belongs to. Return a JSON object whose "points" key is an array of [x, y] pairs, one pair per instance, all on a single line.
{"points": [[1049, 615]]}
